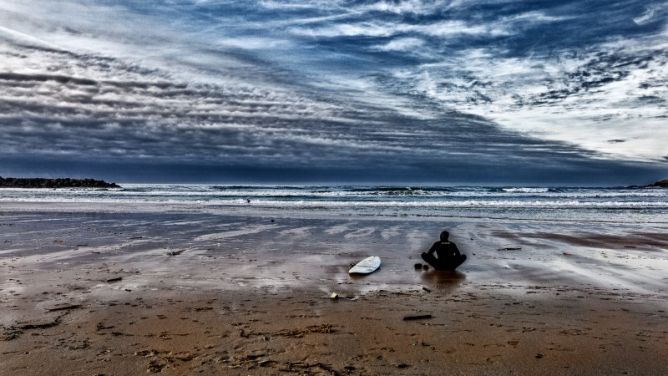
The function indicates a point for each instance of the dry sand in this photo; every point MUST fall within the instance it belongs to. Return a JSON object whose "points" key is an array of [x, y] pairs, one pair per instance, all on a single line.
{"points": [[197, 293]]}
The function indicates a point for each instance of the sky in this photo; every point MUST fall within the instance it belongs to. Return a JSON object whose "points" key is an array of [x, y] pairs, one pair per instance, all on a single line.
{"points": [[459, 91]]}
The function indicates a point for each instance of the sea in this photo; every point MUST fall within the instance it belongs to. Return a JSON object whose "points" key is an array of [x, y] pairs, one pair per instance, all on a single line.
{"points": [[575, 204]]}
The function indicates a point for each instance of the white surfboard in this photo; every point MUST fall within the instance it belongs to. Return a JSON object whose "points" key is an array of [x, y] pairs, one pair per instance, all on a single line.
{"points": [[366, 266]]}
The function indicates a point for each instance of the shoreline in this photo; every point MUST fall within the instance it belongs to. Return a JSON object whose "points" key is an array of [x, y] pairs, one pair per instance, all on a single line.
{"points": [[50, 207]]}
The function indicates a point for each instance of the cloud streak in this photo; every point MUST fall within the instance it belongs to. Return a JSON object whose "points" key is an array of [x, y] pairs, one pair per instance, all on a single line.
{"points": [[430, 85]]}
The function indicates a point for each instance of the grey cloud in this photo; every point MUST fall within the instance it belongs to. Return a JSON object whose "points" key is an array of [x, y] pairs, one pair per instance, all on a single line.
{"points": [[181, 121], [175, 95]]}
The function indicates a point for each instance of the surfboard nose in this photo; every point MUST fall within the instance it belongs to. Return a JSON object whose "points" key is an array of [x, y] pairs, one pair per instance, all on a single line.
{"points": [[366, 266]]}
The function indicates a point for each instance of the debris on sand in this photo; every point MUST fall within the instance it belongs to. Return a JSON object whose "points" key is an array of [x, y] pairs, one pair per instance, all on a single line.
{"points": [[426, 289], [64, 307], [417, 317], [334, 296], [510, 249], [200, 309], [417, 266], [175, 253], [115, 279]]}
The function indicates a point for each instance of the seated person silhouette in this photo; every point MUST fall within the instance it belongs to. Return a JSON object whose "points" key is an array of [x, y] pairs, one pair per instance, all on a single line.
{"points": [[444, 255]]}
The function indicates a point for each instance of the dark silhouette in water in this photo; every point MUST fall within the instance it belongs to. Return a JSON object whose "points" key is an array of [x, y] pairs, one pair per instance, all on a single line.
{"points": [[444, 255]]}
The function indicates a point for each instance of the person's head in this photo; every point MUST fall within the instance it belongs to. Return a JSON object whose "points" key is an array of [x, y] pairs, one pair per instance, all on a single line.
{"points": [[444, 236]]}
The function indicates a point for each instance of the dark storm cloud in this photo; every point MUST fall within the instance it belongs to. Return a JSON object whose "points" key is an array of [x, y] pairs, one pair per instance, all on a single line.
{"points": [[383, 90]]}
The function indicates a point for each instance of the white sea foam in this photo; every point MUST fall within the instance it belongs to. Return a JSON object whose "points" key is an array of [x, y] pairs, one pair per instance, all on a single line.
{"points": [[555, 204], [526, 190], [211, 192]]}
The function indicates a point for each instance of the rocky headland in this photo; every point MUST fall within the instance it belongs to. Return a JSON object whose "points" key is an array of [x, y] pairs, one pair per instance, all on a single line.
{"points": [[663, 183], [54, 183]]}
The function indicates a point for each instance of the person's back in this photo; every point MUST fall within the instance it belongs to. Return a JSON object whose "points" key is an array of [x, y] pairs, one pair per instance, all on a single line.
{"points": [[444, 254], [447, 249]]}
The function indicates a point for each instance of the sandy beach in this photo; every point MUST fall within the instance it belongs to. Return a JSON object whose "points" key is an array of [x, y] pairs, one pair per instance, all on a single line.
{"points": [[124, 291], [185, 186]]}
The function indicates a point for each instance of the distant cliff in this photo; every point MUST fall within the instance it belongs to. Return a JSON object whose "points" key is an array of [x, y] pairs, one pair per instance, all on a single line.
{"points": [[54, 183], [661, 183]]}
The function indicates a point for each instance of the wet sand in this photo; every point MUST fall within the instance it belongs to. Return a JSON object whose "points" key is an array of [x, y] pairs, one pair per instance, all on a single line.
{"points": [[183, 292]]}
